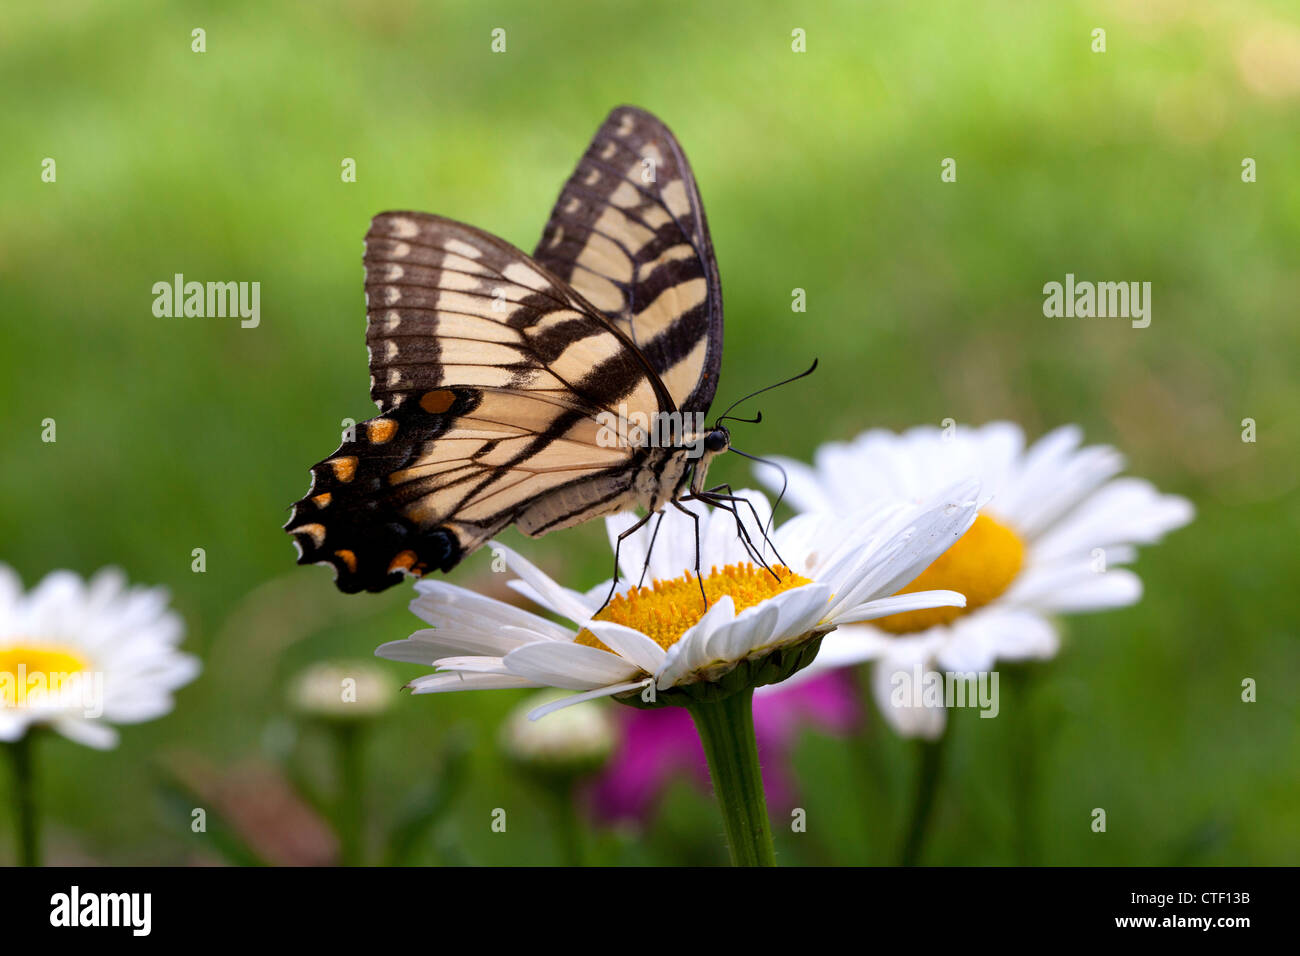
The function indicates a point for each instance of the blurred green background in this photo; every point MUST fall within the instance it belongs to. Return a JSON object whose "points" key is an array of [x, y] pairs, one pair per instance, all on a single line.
{"points": [[820, 171]]}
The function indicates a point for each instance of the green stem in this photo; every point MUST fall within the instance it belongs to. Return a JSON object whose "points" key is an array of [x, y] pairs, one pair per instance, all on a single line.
{"points": [[929, 772], [564, 800], [874, 772], [26, 813], [350, 813], [726, 728], [1024, 766]]}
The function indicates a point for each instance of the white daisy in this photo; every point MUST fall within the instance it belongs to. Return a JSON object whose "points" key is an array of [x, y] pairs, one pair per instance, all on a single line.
{"points": [[759, 627], [1054, 522], [79, 655]]}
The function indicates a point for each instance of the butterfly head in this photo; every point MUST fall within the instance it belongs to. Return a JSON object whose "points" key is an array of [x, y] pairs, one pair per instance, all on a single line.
{"points": [[717, 440], [705, 447]]}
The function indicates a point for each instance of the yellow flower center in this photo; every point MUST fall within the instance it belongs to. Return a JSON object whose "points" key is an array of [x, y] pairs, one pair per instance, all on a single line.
{"points": [[981, 565], [36, 669], [667, 609]]}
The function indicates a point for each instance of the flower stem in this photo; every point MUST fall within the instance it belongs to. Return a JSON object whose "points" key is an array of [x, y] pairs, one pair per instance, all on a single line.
{"points": [[726, 728], [1024, 765], [564, 800], [929, 772], [350, 811], [26, 813]]}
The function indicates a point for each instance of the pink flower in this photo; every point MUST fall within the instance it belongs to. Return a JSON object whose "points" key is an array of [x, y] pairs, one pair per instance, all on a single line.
{"points": [[662, 743]]}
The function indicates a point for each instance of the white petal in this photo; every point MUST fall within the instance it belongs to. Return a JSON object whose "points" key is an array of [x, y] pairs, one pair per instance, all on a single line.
{"points": [[1063, 490], [1125, 511], [777, 620], [570, 666], [976, 641], [11, 590], [688, 653], [609, 691], [892, 679], [752, 628], [551, 595], [899, 604], [478, 639], [846, 646], [440, 683], [472, 665], [590, 600], [803, 487], [13, 725], [1117, 587], [630, 644], [89, 733], [450, 607], [890, 568]]}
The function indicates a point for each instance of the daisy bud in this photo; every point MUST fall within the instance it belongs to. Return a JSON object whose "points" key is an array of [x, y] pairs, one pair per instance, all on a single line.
{"points": [[576, 740], [343, 690]]}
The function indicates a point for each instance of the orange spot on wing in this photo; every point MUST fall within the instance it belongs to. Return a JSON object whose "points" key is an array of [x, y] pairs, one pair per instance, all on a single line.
{"points": [[437, 402], [344, 468], [348, 558], [404, 561], [316, 532], [322, 500], [381, 430]]}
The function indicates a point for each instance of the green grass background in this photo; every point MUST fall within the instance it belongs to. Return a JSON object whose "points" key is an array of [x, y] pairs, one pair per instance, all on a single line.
{"points": [[820, 171]]}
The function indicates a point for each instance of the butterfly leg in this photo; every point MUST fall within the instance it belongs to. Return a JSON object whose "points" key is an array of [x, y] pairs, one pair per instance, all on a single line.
{"points": [[696, 518], [729, 502], [618, 543], [718, 501], [653, 535], [732, 496]]}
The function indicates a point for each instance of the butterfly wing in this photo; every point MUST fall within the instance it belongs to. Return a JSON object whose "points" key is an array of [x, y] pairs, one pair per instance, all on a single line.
{"points": [[629, 233], [450, 304], [490, 374]]}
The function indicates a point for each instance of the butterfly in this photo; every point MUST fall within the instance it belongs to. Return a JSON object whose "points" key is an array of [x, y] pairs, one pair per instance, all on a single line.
{"points": [[529, 390]]}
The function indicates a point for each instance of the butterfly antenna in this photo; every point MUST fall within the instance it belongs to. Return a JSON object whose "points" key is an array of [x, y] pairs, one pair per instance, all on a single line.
{"points": [[767, 388]]}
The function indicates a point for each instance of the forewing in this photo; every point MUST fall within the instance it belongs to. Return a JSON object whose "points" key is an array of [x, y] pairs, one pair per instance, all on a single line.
{"points": [[629, 233], [448, 304]]}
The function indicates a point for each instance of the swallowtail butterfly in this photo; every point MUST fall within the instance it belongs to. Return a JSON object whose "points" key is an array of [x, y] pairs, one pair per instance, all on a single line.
{"points": [[495, 372]]}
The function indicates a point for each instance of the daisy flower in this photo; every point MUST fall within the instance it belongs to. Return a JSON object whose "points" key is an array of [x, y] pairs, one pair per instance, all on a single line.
{"points": [[659, 639], [660, 644], [79, 656], [76, 657], [1054, 522]]}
